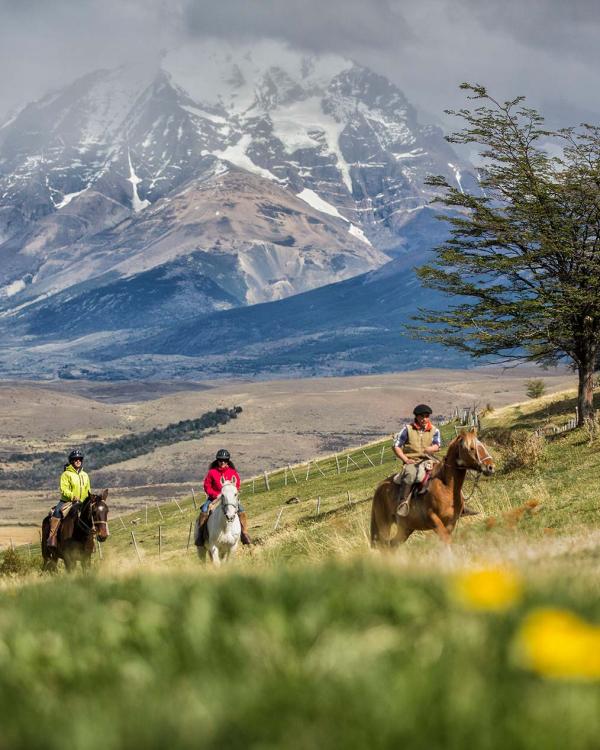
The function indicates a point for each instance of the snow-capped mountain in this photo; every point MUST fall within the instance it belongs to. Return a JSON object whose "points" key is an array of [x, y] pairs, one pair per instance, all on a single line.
{"points": [[222, 177]]}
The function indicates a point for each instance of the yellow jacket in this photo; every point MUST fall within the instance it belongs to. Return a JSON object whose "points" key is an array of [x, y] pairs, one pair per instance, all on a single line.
{"points": [[74, 486]]}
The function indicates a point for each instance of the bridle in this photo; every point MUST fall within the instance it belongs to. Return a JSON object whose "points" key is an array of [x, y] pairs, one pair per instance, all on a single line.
{"points": [[480, 468], [93, 528], [229, 504]]}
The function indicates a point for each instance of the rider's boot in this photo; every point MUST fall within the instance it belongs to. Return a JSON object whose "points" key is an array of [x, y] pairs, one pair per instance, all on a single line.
{"points": [[244, 524], [54, 524], [403, 508], [202, 519]]}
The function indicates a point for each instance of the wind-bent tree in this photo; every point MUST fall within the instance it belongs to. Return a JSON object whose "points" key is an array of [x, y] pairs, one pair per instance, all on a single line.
{"points": [[523, 255]]}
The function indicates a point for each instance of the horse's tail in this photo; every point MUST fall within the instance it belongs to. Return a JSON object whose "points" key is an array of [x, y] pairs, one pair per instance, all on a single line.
{"points": [[374, 524], [44, 536]]}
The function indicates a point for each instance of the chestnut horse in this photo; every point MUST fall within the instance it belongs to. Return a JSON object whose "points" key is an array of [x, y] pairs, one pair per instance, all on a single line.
{"points": [[440, 506], [75, 538]]}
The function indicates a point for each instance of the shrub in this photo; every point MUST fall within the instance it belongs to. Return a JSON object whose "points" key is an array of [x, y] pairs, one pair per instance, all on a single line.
{"points": [[535, 388], [12, 563], [523, 450]]}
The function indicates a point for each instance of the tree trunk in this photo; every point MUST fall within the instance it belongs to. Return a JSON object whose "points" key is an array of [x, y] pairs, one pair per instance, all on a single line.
{"points": [[585, 392]]}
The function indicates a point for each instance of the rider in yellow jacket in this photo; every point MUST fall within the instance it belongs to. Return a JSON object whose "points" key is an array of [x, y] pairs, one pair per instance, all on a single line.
{"points": [[74, 488]]}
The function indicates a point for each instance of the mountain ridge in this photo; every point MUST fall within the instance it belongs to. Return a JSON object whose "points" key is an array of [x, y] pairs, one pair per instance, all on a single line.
{"points": [[313, 171]]}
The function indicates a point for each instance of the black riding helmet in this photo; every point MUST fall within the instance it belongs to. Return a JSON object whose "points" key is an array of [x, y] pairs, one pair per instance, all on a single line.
{"points": [[75, 453], [223, 455], [422, 409]]}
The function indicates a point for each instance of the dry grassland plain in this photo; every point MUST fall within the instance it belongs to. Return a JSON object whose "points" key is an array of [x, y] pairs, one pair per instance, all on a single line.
{"points": [[283, 421]]}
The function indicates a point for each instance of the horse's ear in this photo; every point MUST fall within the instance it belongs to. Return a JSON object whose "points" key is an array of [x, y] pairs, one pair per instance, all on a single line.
{"points": [[223, 480], [104, 495]]}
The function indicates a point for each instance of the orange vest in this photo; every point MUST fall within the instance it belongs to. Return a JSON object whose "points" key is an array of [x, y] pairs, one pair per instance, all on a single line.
{"points": [[417, 441]]}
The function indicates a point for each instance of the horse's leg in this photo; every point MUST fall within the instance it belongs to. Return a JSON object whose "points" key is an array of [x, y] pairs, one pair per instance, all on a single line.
{"points": [[214, 555], [374, 527], [440, 529], [50, 565], [402, 535]]}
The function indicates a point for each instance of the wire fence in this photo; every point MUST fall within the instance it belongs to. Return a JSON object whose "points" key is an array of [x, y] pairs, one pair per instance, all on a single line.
{"points": [[158, 525]]}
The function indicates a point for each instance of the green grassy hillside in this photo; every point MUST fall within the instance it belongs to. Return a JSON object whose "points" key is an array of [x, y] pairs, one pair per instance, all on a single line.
{"points": [[309, 639]]}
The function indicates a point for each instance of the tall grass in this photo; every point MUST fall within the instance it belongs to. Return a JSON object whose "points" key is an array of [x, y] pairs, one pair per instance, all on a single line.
{"points": [[337, 655]]}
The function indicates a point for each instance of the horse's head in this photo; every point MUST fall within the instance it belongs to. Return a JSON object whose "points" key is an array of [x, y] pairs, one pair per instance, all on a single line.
{"points": [[99, 510], [229, 499], [472, 454]]}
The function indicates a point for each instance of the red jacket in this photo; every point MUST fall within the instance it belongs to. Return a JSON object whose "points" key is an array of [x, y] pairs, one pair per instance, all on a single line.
{"points": [[212, 481]]}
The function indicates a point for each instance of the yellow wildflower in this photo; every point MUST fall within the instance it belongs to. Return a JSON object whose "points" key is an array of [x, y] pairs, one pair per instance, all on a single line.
{"points": [[557, 643], [491, 589]]}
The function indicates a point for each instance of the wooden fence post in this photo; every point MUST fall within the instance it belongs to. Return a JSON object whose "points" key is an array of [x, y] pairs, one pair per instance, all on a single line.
{"points": [[194, 499], [266, 476], [368, 459], [190, 535], [354, 462], [318, 504], [137, 552], [179, 506], [382, 451], [307, 471], [285, 477], [278, 518], [162, 518], [337, 463]]}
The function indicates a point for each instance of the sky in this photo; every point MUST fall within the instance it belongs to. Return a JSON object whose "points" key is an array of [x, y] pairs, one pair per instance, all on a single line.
{"points": [[547, 50]]}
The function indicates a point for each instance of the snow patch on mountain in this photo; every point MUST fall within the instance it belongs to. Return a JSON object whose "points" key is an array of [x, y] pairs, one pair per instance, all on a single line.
{"points": [[357, 232], [237, 155], [136, 202], [309, 196], [68, 197]]}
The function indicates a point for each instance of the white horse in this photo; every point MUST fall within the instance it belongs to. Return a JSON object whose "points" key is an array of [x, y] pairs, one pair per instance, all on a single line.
{"points": [[223, 527]]}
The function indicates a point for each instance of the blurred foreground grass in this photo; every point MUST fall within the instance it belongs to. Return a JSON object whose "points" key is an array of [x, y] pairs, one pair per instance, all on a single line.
{"points": [[308, 639], [348, 654]]}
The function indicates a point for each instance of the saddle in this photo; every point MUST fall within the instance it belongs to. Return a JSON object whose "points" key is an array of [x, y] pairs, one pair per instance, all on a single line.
{"points": [[203, 531], [423, 477], [68, 523]]}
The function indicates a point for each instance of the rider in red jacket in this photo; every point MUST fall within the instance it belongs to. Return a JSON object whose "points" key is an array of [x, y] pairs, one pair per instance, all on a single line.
{"points": [[222, 469]]}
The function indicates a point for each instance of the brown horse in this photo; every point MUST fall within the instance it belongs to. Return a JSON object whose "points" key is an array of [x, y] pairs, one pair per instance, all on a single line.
{"points": [[440, 506], [75, 538]]}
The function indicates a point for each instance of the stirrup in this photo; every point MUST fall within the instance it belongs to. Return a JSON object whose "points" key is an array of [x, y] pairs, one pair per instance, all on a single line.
{"points": [[403, 509]]}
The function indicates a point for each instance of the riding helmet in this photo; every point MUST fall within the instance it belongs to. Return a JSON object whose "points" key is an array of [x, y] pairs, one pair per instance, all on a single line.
{"points": [[223, 455], [75, 453], [422, 409]]}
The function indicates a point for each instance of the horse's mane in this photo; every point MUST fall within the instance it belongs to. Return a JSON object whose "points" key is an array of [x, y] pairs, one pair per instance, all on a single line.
{"points": [[452, 450]]}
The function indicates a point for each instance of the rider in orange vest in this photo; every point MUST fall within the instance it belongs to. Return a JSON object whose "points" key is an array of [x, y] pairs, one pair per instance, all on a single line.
{"points": [[414, 444]]}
